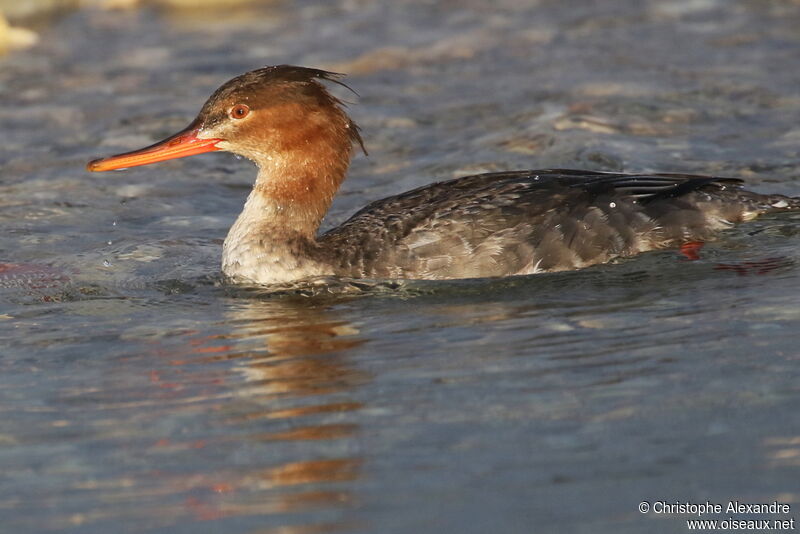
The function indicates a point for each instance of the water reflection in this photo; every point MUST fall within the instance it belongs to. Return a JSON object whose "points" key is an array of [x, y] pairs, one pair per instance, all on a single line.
{"points": [[295, 380]]}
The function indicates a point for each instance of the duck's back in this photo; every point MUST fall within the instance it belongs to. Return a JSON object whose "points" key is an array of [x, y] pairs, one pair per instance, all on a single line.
{"points": [[524, 222]]}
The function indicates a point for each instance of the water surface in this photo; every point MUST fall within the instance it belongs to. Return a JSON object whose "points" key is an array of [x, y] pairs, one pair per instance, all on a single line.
{"points": [[139, 394]]}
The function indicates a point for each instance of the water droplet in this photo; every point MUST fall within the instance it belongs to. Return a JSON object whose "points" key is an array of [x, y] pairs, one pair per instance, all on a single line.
{"points": [[612, 205], [106, 263]]}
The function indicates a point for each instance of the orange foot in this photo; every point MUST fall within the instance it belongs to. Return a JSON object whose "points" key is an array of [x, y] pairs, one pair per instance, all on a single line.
{"points": [[691, 250]]}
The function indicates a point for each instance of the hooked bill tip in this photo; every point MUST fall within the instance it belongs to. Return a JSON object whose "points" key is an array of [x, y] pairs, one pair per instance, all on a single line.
{"points": [[102, 165], [93, 165]]}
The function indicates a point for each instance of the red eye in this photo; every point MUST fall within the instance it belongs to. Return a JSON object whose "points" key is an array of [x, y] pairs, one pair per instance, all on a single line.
{"points": [[239, 111]]}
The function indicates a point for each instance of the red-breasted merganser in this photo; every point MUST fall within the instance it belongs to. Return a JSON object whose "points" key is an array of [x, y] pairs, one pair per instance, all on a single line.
{"points": [[496, 224]]}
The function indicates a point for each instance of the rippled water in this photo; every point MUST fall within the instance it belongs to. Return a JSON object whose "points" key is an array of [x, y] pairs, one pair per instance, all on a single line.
{"points": [[140, 394]]}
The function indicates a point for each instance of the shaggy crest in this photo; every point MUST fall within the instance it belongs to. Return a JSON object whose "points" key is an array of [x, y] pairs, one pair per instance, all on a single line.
{"points": [[281, 77]]}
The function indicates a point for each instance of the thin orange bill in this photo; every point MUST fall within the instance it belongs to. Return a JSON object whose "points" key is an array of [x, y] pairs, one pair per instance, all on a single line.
{"points": [[182, 144]]}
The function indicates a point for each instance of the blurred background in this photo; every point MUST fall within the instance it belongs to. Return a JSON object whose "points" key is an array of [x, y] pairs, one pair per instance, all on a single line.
{"points": [[139, 394]]}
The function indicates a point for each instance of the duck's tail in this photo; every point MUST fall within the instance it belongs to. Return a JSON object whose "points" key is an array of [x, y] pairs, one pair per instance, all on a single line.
{"points": [[755, 204], [742, 205], [774, 203]]}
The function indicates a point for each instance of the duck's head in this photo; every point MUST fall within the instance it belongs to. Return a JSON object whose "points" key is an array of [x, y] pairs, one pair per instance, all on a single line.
{"points": [[265, 115]]}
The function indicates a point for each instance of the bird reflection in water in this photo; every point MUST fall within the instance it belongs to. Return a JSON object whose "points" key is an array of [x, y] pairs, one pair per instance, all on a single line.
{"points": [[295, 385]]}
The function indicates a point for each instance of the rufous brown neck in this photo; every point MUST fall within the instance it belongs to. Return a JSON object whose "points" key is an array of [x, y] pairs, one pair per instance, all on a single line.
{"points": [[302, 167]]}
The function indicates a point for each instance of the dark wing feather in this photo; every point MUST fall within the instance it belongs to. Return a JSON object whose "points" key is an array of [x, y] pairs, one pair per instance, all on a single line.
{"points": [[651, 187]]}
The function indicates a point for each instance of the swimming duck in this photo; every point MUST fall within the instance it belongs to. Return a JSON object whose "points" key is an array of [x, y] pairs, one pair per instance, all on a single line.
{"points": [[487, 225]]}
